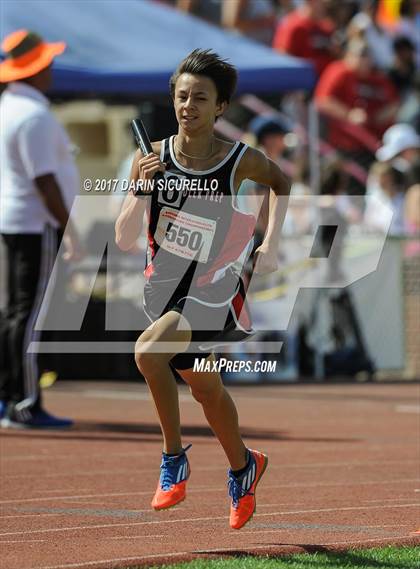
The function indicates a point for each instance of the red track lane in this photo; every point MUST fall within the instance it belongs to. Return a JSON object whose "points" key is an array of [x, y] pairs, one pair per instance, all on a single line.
{"points": [[343, 471]]}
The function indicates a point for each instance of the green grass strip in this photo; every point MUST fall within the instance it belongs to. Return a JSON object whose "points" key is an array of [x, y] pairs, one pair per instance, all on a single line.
{"points": [[384, 558]]}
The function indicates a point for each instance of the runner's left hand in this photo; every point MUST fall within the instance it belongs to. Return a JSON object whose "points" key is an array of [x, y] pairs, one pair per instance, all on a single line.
{"points": [[265, 260]]}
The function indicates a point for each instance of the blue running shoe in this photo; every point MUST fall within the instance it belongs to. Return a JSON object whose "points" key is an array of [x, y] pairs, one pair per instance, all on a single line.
{"points": [[242, 490], [171, 488], [3, 407], [34, 419]]}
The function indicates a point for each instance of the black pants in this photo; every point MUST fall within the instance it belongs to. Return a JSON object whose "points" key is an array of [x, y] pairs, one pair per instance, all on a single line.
{"points": [[29, 262]]}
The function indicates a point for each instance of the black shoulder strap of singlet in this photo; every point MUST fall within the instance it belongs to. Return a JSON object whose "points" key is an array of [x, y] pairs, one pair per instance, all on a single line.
{"points": [[164, 150], [241, 145], [239, 152]]}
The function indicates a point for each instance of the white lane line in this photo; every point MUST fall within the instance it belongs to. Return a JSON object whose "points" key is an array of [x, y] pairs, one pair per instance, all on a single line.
{"points": [[189, 553], [69, 456], [81, 513], [112, 455], [398, 526], [127, 395], [387, 500], [145, 396], [322, 530], [207, 469], [58, 490], [113, 561], [385, 539], [215, 518], [133, 537], [283, 504], [70, 474], [213, 489], [407, 408], [23, 540], [30, 515]]}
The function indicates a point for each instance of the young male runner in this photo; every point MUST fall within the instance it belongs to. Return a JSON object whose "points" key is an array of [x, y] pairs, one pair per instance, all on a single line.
{"points": [[193, 293]]}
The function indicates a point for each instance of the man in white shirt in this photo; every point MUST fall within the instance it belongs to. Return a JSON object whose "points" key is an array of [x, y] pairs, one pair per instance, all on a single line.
{"points": [[38, 182]]}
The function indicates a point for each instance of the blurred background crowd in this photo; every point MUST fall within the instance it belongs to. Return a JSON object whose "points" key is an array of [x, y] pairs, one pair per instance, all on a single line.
{"points": [[366, 55], [354, 135]]}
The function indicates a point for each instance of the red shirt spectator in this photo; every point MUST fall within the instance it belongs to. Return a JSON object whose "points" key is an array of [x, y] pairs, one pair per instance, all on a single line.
{"points": [[307, 33], [355, 93]]}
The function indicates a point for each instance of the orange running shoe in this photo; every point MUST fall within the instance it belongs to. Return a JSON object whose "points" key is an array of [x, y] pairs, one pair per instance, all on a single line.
{"points": [[174, 473], [242, 489]]}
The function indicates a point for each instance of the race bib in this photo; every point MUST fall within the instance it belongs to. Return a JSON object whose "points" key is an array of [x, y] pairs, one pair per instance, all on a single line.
{"points": [[184, 234]]}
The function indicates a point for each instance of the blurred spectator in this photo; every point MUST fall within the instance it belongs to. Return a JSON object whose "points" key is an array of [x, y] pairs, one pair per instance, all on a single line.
{"points": [[274, 135], [302, 172], [335, 182], [401, 144], [412, 210], [256, 20], [334, 209], [39, 181], [408, 24], [403, 68], [364, 26], [413, 173], [307, 32], [341, 14], [283, 7], [208, 10], [269, 132], [409, 112], [361, 103], [391, 196]]}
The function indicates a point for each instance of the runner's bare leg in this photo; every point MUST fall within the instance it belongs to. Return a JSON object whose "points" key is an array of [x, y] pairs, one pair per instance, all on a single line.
{"points": [[156, 370], [220, 410]]}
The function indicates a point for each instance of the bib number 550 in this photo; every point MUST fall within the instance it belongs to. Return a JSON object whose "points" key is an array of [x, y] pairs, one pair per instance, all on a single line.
{"points": [[184, 237]]}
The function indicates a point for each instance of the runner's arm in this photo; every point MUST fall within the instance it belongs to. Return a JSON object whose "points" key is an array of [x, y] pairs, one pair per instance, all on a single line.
{"points": [[130, 221], [257, 167]]}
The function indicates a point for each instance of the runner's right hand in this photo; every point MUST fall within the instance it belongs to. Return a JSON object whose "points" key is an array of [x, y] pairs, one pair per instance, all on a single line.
{"points": [[148, 166]]}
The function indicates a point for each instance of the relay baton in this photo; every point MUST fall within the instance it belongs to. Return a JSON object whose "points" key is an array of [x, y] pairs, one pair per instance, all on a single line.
{"points": [[143, 142]]}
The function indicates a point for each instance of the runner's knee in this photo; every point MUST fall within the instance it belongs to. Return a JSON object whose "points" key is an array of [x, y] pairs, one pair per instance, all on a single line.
{"points": [[145, 356], [209, 393]]}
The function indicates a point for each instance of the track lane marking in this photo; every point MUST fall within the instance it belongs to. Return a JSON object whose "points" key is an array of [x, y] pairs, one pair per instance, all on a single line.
{"points": [[215, 518], [211, 489], [217, 467], [24, 541], [388, 500], [407, 409], [134, 537]]}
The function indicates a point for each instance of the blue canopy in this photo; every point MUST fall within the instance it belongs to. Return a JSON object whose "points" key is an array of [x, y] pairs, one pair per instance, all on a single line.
{"points": [[133, 46]]}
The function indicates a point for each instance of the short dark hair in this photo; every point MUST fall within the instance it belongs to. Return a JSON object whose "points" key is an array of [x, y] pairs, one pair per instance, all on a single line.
{"points": [[209, 64], [403, 42]]}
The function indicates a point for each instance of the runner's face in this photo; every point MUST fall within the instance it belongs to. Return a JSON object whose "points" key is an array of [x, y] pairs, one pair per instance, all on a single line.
{"points": [[195, 102]]}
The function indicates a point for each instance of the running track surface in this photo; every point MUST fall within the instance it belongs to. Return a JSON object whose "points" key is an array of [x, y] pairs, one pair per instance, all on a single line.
{"points": [[343, 472]]}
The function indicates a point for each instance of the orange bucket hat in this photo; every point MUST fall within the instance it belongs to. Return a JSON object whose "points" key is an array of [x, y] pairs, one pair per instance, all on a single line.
{"points": [[26, 55]]}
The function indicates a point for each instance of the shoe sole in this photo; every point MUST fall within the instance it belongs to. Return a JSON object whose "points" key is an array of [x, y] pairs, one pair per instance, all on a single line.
{"points": [[171, 506], [176, 503], [255, 492], [9, 424]]}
